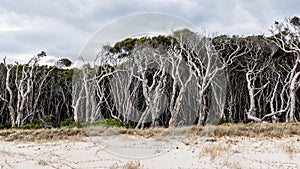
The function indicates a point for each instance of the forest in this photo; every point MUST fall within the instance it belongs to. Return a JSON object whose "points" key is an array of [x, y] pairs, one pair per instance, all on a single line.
{"points": [[186, 78]]}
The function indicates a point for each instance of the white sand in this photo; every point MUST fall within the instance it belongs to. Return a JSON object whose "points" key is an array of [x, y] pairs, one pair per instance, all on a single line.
{"points": [[117, 151]]}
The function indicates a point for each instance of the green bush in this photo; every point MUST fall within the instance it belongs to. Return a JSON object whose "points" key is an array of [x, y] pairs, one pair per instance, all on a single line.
{"points": [[31, 126], [6, 125], [70, 122], [117, 122], [50, 120], [114, 122], [107, 122], [223, 120]]}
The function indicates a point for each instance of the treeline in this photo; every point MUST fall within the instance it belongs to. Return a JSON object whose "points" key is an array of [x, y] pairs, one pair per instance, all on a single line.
{"points": [[33, 94], [164, 80]]}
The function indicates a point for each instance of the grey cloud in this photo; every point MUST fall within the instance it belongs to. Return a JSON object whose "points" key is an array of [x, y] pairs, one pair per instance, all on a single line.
{"points": [[155, 23], [63, 27]]}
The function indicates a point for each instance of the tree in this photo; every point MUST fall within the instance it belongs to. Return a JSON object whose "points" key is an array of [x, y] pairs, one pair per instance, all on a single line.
{"points": [[23, 84], [64, 62], [286, 36], [256, 64]]}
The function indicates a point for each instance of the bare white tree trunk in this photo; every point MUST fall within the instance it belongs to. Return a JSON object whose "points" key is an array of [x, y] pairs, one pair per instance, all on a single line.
{"points": [[11, 96], [274, 104], [181, 80], [76, 100], [205, 64], [251, 113], [286, 37], [23, 85], [293, 88]]}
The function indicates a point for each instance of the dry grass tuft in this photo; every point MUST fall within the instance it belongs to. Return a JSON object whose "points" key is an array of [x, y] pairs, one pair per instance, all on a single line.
{"points": [[42, 163], [128, 165], [214, 149], [133, 165], [290, 148], [234, 165]]}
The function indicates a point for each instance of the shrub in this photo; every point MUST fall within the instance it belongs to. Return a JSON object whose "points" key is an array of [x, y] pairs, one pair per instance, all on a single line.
{"points": [[117, 122], [31, 126], [50, 120], [114, 122], [106, 123], [7, 125], [70, 122]]}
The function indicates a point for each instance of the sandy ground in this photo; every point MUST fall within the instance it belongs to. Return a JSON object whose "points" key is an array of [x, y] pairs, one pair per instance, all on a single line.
{"points": [[124, 151]]}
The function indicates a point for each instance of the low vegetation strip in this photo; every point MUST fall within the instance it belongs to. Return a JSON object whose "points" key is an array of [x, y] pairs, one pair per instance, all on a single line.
{"points": [[269, 130], [278, 130], [41, 134]]}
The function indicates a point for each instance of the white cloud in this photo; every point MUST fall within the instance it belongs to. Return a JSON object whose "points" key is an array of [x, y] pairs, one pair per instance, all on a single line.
{"points": [[48, 60], [62, 27], [8, 22]]}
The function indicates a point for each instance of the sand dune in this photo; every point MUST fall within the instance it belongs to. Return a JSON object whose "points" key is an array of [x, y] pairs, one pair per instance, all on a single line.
{"points": [[125, 151]]}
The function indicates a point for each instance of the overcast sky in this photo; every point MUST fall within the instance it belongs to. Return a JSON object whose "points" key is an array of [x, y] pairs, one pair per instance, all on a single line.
{"points": [[62, 27]]}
